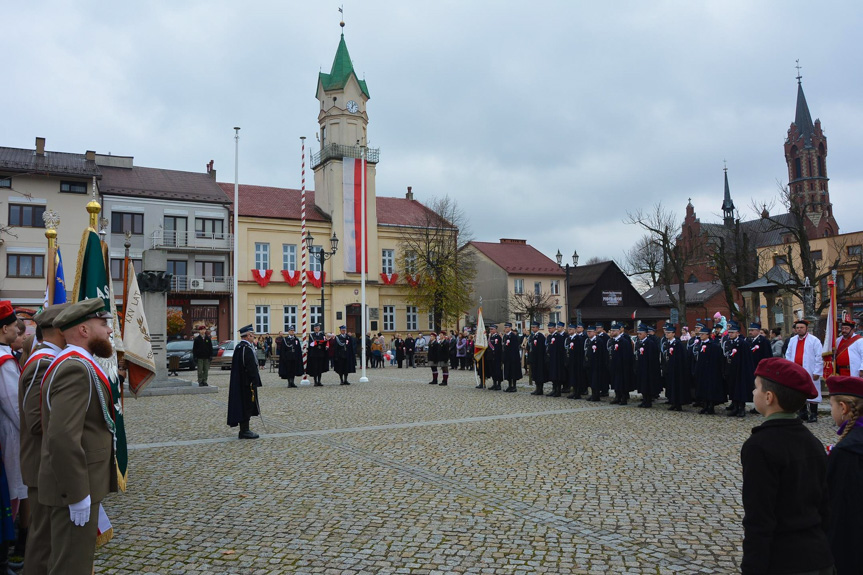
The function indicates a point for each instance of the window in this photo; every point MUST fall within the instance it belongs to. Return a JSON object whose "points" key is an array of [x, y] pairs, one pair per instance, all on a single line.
{"points": [[5, 182], [798, 168], [314, 262], [840, 284], [389, 318], [555, 287], [315, 314], [537, 288], [388, 258], [262, 319], [855, 250], [210, 270], [122, 222], [858, 282], [262, 256], [290, 316], [816, 255], [175, 231], [117, 267], [209, 228], [825, 293], [820, 166], [519, 285], [73, 187], [26, 216], [25, 266], [554, 317], [410, 263], [692, 279], [779, 261], [412, 323], [431, 320], [289, 257]]}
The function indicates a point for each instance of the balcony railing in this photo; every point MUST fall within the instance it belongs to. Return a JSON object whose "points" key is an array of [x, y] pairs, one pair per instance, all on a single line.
{"points": [[338, 151], [204, 284], [169, 239]]}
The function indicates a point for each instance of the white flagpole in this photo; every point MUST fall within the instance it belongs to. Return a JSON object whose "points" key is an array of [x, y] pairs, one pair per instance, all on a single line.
{"points": [[303, 271], [362, 344], [236, 307]]}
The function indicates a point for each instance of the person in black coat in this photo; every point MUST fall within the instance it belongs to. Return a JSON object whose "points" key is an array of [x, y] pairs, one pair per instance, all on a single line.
{"points": [[595, 363], [536, 357], [494, 358], [453, 350], [400, 349], [845, 474], [245, 379], [620, 364], [410, 350], [202, 351], [709, 386], [647, 370], [740, 373], [555, 348], [759, 345], [438, 357], [674, 370], [290, 350], [785, 497], [318, 360], [574, 344], [345, 355], [511, 357], [605, 375]]}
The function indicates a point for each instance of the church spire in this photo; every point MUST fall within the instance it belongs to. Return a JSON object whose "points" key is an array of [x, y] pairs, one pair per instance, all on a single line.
{"points": [[802, 117], [727, 203]]}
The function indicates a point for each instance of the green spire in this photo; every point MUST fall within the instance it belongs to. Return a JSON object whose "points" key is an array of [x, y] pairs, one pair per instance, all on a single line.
{"points": [[341, 71]]}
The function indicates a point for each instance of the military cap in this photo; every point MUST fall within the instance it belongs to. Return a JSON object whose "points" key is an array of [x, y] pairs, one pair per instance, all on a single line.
{"points": [[591, 328], [343, 327], [534, 324], [492, 326], [507, 324], [292, 328], [572, 326], [788, 374], [561, 324], [733, 326], [845, 385], [754, 325], [651, 328], [599, 324], [7, 314], [669, 326], [45, 318], [246, 329], [579, 324], [703, 329], [642, 328], [849, 322], [552, 324], [80, 312]]}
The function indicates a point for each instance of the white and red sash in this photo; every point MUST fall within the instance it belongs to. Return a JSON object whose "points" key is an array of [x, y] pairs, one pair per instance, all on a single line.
{"points": [[843, 359], [8, 356], [40, 354], [74, 353]]}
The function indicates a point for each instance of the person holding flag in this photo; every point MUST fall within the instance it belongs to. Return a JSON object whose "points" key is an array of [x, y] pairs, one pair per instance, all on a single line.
{"points": [[849, 350]]}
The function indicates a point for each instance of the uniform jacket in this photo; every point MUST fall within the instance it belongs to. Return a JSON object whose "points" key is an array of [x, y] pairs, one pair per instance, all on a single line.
{"points": [[30, 406], [346, 357], [844, 478], [511, 356], [556, 352], [245, 381], [647, 370], [740, 373], [290, 356], [410, 345], [708, 375], [202, 347], [400, 349], [760, 348], [674, 371], [494, 360], [785, 500], [620, 364], [536, 357], [77, 444]]}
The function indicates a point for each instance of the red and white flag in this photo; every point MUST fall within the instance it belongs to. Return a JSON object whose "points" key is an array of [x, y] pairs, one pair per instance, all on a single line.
{"points": [[353, 193]]}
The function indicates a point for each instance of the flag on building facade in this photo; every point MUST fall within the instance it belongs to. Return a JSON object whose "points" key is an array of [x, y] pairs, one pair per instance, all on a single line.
{"points": [[353, 215], [138, 351]]}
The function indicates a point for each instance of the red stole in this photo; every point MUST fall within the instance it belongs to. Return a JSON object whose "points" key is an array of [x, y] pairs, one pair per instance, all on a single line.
{"points": [[843, 361], [798, 355], [98, 370]]}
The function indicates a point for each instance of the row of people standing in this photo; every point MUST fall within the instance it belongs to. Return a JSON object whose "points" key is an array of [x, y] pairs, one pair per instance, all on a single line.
{"points": [[323, 350]]}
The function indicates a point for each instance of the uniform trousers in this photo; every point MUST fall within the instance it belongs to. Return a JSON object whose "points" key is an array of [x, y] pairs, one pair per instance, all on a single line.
{"points": [[39, 535], [72, 547]]}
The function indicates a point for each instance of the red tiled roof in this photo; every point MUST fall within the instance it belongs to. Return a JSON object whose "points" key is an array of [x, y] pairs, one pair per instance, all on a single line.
{"points": [[160, 183], [519, 258], [285, 204]]}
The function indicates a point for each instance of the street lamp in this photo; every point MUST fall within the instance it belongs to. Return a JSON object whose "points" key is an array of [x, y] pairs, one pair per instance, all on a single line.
{"points": [[322, 256], [559, 258]]}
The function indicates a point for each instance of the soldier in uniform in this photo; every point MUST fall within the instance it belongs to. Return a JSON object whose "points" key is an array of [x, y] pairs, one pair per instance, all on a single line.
{"points": [[245, 380], [593, 363], [620, 363], [709, 388], [674, 369], [647, 370], [740, 372], [574, 360], [758, 344], [494, 357], [290, 351], [345, 355], [318, 360], [30, 408], [693, 347], [438, 357], [77, 468], [410, 350], [556, 356], [603, 337], [536, 357], [511, 357]]}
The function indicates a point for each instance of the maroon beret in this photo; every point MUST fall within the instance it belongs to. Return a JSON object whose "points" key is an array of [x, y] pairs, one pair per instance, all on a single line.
{"points": [[788, 374], [7, 314], [845, 385]]}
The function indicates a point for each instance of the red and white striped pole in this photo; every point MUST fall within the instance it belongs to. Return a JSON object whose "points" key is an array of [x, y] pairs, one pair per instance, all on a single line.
{"points": [[304, 268]]}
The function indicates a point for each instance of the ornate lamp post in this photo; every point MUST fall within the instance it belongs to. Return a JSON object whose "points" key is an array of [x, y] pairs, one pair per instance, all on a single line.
{"points": [[559, 258], [322, 256]]}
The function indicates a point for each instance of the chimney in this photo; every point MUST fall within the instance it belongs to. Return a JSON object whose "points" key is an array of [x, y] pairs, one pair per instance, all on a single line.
{"points": [[410, 194], [211, 170], [513, 241], [90, 156], [40, 146]]}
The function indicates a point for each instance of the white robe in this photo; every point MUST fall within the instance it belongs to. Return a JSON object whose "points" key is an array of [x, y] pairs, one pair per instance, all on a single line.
{"points": [[812, 360], [10, 423], [855, 356]]}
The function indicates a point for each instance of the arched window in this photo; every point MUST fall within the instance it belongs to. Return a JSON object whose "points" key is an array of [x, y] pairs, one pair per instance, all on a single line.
{"points": [[692, 279]]}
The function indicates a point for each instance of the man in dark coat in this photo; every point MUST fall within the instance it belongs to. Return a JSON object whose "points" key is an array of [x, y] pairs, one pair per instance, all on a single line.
{"points": [[400, 349], [575, 368], [536, 357], [758, 344], [647, 370], [511, 357], [709, 386], [494, 358], [620, 363], [202, 351], [605, 375], [740, 372], [410, 350], [245, 379], [318, 360], [290, 350], [674, 369], [345, 355], [555, 347]]}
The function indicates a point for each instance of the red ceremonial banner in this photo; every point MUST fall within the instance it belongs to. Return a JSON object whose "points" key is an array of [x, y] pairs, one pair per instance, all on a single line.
{"points": [[317, 279], [292, 277], [414, 281], [262, 276], [389, 279]]}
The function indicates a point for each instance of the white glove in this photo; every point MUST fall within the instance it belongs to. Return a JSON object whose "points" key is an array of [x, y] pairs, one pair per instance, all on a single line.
{"points": [[80, 512]]}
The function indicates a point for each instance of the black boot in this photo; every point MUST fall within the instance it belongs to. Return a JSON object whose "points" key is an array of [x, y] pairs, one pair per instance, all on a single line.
{"points": [[813, 413], [245, 433], [732, 407], [741, 410], [538, 390], [555, 390], [510, 387], [291, 383], [480, 386], [318, 382]]}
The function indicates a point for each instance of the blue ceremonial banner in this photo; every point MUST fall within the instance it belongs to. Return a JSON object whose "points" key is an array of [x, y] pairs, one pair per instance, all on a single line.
{"points": [[59, 281]]}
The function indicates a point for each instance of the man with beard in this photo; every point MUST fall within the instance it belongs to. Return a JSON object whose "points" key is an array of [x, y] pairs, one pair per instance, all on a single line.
{"points": [[345, 356], [290, 350], [849, 351], [620, 363], [245, 381], [805, 350], [318, 360], [647, 371], [556, 357], [494, 358], [77, 466], [511, 357], [536, 357], [674, 369], [30, 406]]}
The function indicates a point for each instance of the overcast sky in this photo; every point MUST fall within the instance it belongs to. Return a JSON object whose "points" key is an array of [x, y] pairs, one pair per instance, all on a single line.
{"points": [[544, 120]]}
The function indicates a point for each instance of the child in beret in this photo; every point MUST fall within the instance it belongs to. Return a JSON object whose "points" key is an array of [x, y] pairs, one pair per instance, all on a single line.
{"points": [[785, 499], [845, 474]]}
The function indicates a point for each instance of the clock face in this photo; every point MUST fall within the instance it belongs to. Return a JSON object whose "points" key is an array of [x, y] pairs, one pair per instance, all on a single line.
{"points": [[352, 107]]}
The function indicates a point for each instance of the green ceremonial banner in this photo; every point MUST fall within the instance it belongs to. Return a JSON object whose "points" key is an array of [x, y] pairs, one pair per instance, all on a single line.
{"points": [[92, 281]]}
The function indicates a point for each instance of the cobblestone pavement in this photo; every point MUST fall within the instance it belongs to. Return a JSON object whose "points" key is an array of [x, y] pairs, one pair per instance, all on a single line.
{"points": [[397, 476]]}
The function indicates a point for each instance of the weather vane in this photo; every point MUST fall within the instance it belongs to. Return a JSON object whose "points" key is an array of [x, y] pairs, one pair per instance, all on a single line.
{"points": [[724, 165], [342, 12], [798, 66]]}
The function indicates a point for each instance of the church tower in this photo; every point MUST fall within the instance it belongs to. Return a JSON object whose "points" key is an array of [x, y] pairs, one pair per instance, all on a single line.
{"points": [[727, 205], [806, 156]]}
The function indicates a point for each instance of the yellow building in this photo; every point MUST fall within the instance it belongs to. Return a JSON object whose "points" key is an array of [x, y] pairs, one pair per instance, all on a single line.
{"points": [[269, 231]]}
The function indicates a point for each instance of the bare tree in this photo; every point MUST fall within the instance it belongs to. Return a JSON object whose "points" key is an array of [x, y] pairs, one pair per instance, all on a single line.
{"points": [[733, 262], [595, 260], [643, 263], [532, 305], [441, 274]]}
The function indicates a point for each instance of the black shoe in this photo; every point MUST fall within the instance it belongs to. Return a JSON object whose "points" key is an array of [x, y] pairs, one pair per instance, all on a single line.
{"points": [[753, 411], [480, 386], [702, 411], [442, 383], [614, 401], [573, 396], [803, 414], [203, 385], [537, 392], [593, 399], [672, 408], [510, 389], [554, 394], [731, 407], [433, 382], [603, 394], [248, 434], [318, 384], [741, 412], [292, 385]]}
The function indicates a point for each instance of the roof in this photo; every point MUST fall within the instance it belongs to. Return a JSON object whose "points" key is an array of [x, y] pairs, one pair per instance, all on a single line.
{"points": [[775, 277], [519, 258], [587, 275], [802, 118], [341, 71], [286, 204], [761, 232], [727, 203], [52, 163], [696, 292], [159, 183]]}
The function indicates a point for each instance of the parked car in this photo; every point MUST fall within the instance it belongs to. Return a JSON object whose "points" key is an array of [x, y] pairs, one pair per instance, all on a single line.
{"points": [[183, 350], [224, 355]]}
